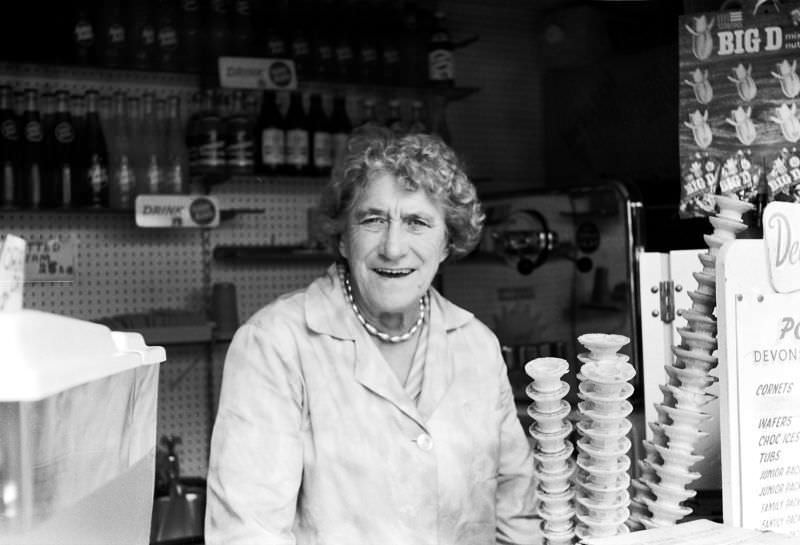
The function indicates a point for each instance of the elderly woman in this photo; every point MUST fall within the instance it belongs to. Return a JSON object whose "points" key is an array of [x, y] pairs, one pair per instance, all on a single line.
{"points": [[366, 408]]}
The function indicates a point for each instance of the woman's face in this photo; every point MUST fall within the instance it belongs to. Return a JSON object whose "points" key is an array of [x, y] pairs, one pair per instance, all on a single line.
{"points": [[394, 242]]}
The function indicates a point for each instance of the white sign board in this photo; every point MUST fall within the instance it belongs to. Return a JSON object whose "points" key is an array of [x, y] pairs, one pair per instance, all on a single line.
{"points": [[176, 211], [12, 273], [51, 260], [257, 73], [759, 340], [782, 234]]}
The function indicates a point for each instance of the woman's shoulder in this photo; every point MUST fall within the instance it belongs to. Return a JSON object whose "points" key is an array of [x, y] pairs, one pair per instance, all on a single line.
{"points": [[284, 311]]}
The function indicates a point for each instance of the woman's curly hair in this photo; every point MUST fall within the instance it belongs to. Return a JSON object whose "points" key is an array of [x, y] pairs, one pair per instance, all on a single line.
{"points": [[419, 161]]}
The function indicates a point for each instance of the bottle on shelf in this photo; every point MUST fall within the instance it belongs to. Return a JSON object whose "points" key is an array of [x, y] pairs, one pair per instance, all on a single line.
{"points": [[10, 183], [112, 34], [84, 34], [77, 109], [32, 150], [369, 116], [367, 58], [441, 65], [322, 41], [137, 152], [142, 39], [95, 155], [343, 49], [210, 143], [297, 137], [242, 28], [175, 175], [47, 103], [270, 137], [189, 35], [150, 166], [321, 147], [167, 36], [219, 33], [122, 175], [418, 124], [390, 33], [191, 132], [60, 189], [394, 121], [239, 140], [413, 45], [274, 44], [299, 40], [341, 127]]}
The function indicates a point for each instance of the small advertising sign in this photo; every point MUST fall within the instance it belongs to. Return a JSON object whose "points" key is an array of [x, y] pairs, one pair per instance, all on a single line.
{"points": [[176, 211], [51, 260], [257, 73], [782, 233], [12, 273]]}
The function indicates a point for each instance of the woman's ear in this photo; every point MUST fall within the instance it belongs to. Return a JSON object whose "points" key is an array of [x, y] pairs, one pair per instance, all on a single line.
{"points": [[343, 247]]}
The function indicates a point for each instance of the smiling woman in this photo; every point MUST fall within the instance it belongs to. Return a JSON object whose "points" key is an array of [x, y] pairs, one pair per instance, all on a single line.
{"points": [[367, 408]]}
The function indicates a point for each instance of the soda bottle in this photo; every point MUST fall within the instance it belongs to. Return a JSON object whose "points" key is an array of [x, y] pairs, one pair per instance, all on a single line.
{"points": [[122, 183], [77, 109], [413, 46], [341, 127], [441, 68], [418, 124], [113, 34], [242, 28], [60, 192], [275, 45], [297, 137], [270, 143], [344, 54], [167, 45], [367, 57], [32, 152], [321, 138], [219, 44], [369, 117], [95, 155], [210, 148], [390, 39], [149, 183], [138, 159], [189, 36], [239, 141], [175, 176], [395, 121], [47, 113], [299, 41], [84, 34], [191, 132], [322, 39], [142, 35], [10, 184]]}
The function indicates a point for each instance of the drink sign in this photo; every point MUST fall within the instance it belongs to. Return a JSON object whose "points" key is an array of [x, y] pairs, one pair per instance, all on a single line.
{"points": [[759, 354], [782, 234], [257, 73], [176, 211]]}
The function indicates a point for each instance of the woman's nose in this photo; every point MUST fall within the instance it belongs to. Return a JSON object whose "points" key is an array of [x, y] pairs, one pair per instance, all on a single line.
{"points": [[394, 241]]}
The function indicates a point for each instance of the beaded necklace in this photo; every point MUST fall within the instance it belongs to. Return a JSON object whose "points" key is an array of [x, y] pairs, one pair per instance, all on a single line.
{"points": [[371, 329]]}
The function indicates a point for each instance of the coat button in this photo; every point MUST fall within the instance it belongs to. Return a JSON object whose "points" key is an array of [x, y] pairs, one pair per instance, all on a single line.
{"points": [[425, 442]]}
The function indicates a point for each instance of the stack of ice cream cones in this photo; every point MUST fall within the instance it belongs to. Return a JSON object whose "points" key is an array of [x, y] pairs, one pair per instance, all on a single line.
{"points": [[662, 486], [552, 449], [602, 478]]}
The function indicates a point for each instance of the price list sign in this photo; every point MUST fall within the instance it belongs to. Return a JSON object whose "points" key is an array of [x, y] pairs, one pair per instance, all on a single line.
{"points": [[760, 375]]}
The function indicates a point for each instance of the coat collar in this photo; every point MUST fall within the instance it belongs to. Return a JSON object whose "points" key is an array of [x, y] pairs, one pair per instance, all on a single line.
{"points": [[328, 312]]}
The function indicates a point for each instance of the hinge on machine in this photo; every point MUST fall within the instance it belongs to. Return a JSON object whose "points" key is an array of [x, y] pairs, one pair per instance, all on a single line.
{"points": [[666, 299]]}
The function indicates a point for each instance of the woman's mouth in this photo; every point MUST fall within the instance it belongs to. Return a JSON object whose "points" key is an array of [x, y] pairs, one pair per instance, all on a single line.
{"points": [[393, 273]]}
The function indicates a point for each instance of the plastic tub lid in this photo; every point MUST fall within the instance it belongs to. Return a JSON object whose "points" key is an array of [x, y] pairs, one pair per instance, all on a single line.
{"points": [[42, 354]]}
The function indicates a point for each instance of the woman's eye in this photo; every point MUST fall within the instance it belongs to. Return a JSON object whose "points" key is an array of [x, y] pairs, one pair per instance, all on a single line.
{"points": [[373, 220], [417, 223]]}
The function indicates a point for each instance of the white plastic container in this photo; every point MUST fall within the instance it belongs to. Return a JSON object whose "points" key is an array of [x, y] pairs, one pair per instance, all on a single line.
{"points": [[78, 428]]}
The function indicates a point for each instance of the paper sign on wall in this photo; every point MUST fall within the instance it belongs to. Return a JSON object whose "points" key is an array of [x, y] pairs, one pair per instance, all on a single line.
{"points": [[51, 260], [782, 233], [12, 273]]}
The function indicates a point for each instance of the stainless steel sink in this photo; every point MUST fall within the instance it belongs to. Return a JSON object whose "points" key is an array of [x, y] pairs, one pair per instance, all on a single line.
{"points": [[181, 514]]}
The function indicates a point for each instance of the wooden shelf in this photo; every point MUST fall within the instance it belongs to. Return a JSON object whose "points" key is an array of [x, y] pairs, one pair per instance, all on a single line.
{"points": [[270, 254]]}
